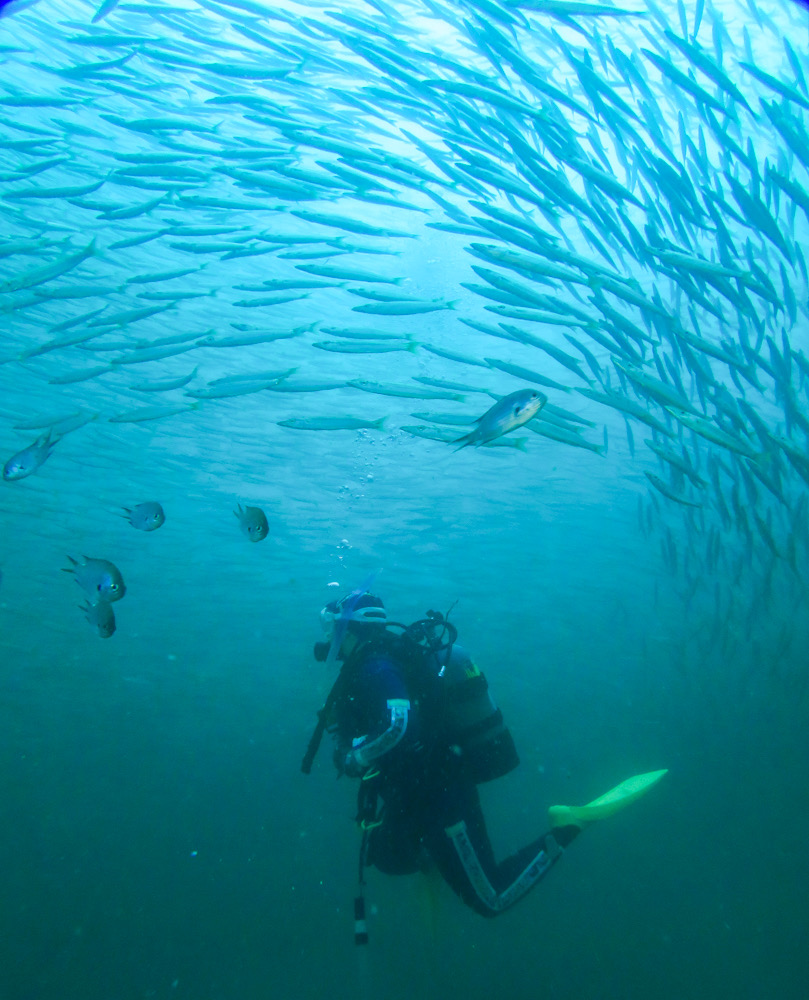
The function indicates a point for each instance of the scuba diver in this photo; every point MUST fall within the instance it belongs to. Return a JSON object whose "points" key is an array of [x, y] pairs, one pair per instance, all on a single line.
{"points": [[413, 719]]}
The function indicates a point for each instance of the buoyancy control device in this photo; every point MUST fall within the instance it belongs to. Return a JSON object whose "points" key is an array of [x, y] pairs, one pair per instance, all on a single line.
{"points": [[451, 691]]}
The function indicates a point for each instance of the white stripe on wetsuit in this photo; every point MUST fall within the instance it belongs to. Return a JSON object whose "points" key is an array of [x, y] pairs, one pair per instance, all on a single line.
{"points": [[364, 753], [477, 876]]}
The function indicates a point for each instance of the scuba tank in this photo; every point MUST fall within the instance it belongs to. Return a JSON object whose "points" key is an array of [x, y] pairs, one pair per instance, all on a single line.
{"points": [[451, 691], [471, 723]]}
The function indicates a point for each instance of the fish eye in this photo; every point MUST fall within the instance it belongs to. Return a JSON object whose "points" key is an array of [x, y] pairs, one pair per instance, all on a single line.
{"points": [[113, 587]]}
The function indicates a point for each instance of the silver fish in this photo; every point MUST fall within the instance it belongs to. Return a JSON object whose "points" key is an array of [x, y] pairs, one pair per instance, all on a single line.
{"points": [[507, 413], [332, 423], [148, 516], [100, 578], [364, 347], [565, 436], [249, 339], [141, 279], [346, 273], [253, 522], [445, 434], [273, 300], [464, 359], [264, 375], [39, 275], [360, 333], [708, 429], [228, 390], [404, 391], [526, 374], [452, 419], [164, 385], [662, 487], [101, 616], [303, 385], [34, 423], [65, 340], [401, 308], [80, 375], [348, 224], [29, 459], [144, 413]]}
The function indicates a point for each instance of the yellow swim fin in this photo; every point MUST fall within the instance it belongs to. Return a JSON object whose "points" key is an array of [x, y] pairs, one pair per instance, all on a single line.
{"points": [[605, 805]]}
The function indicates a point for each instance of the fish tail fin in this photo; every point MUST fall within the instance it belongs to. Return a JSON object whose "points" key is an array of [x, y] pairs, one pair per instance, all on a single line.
{"points": [[413, 346], [239, 512], [379, 424], [453, 304], [519, 444], [462, 442]]}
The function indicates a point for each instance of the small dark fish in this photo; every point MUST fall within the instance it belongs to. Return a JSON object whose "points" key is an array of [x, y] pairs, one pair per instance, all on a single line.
{"points": [[29, 459], [507, 413], [253, 522], [100, 578], [145, 516], [101, 616]]}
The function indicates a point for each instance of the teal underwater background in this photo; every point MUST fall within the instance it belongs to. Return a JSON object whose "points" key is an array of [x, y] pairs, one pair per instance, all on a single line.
{"points": [[158, 838]]}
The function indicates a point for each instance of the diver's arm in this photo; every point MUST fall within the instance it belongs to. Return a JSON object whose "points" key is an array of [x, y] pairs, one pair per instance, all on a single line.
{"points": [[366, 750]]}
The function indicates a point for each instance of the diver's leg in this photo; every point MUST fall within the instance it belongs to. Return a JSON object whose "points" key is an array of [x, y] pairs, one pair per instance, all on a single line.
{"points": [[459, 844], [394, 846]]}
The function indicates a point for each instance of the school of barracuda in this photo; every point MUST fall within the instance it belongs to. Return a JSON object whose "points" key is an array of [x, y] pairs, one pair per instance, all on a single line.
{"points": [[629, 184]]}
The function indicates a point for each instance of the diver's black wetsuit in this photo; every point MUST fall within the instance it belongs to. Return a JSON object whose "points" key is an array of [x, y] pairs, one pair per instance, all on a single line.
{"points": [[430, 802]]}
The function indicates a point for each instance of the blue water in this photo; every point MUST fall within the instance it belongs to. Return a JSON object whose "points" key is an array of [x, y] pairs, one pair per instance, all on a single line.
{"points": [[158, 836]]}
